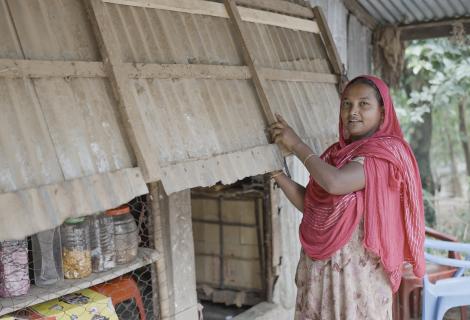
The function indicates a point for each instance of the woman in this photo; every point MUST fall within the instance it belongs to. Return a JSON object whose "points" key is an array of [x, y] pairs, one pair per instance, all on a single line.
{"points": [[362, 210]]}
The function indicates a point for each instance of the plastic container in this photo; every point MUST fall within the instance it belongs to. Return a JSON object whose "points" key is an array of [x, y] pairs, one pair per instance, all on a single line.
{"points": [[14, 273], [47, 257], [103, 256], [126, 234], [76, 254]]}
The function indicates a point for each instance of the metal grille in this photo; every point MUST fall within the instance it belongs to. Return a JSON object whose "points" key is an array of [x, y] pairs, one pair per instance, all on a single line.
{"points": [[130, 286]]}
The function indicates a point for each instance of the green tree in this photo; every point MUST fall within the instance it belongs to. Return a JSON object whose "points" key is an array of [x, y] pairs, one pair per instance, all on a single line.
{"points": [[435, 84]]}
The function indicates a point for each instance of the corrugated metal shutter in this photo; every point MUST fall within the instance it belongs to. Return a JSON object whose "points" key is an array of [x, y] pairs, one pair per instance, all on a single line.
{"points": [[95, 105]]}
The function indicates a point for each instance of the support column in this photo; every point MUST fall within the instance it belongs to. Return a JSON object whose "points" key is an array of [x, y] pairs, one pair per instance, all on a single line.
{"points": [[174, 239]]}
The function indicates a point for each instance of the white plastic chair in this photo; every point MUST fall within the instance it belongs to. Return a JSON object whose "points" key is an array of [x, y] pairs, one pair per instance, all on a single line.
{"points": [[447, 293]]}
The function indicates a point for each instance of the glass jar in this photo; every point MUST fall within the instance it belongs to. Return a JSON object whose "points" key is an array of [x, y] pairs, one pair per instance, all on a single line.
{"points": [[14, 272], [47, 257], [103, 256], [126, 234], [76, 254]]}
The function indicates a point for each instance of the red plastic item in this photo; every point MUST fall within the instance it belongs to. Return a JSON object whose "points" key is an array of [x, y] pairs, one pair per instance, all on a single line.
{"points": [[122, 289], [408, 297]]}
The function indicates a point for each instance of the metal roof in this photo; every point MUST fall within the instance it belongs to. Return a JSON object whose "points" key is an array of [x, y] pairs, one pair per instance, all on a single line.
{"points": [[416, 11]]}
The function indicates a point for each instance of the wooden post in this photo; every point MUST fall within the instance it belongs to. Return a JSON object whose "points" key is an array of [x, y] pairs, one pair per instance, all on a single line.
{"points": [[148, 160], [162, 299], [258, 79], [331, 51], [327, 38]]}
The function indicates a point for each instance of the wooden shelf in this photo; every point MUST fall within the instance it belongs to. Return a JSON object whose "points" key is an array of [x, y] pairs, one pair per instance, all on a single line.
{"points": [[38, 295]]}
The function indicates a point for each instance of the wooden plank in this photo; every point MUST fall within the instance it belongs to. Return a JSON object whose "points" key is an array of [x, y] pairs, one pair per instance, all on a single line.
{"points": [[147, 157], [280, 6], [37, 295], [361, 14], [279, 20], [249, 60], [436, 29], [217, 10], [160, 292], [11, 68], [299, 76], [327, 38], [188, 71]]}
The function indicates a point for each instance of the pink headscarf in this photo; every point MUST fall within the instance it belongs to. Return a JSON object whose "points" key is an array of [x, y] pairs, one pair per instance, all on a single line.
{"points": [[391, 202]]}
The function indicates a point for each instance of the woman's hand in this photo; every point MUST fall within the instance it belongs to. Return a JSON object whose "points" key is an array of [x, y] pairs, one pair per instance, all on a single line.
{"points": [[283, 135]]}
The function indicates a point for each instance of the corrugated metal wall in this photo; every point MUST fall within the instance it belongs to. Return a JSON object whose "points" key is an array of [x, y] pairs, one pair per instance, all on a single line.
{"points": [[63, 133], [193, 121], [55, 130]]}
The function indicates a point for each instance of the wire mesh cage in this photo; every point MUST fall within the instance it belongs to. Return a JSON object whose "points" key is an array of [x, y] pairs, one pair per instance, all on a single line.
{"points": [[94, 267]]}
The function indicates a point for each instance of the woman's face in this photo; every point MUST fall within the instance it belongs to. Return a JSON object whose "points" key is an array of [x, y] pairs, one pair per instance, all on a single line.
{"points": [[361, 113]]}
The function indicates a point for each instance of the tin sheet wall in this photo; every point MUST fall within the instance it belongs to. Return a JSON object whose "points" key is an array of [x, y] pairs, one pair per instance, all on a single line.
{"points": [[194, 121], [67, 149], [63, 150]]}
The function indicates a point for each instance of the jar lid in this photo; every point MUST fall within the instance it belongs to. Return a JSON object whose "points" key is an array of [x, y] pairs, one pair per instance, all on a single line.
{"points": [[75, 220], [118, 211]]}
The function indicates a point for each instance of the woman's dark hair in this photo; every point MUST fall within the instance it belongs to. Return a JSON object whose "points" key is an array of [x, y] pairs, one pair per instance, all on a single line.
{"points": [[370, 83]]}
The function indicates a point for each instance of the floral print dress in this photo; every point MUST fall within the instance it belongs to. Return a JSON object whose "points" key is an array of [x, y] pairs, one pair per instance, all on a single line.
{"points": [[351, 285]]}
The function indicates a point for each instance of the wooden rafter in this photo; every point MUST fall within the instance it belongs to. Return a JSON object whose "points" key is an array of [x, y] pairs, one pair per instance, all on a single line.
{"points": [[327, 38], [434, 29], [148, 160], [361, 14], [258, 80], [10, 68]]}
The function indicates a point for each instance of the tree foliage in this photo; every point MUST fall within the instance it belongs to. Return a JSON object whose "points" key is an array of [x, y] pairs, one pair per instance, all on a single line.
{"points": [[435, 81]]}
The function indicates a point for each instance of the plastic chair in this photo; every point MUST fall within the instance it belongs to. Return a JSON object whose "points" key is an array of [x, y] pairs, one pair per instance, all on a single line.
{"points": [[410, 287], [447, 293], [120, 290]]}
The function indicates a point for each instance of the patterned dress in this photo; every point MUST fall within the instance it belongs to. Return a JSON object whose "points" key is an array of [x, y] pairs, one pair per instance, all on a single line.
{"points": [[351, 285]]}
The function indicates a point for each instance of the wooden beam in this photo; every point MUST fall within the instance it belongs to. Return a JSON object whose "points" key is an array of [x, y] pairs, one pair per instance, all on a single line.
{"points": [[217, 10], [160, 283], [10, 68], [298, 76], [280, 6], [361, 13], [435, 29], [147, 157], [188, 71], [327, 38], [279, 20], [249, 60]]}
